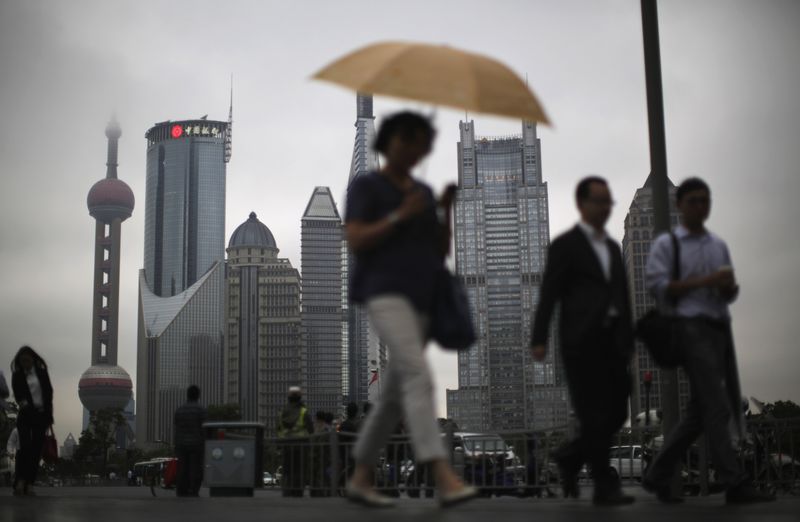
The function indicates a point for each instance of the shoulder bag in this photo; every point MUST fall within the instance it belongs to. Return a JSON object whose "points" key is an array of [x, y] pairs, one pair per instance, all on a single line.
{"points": [[451, 320], [659, 331]]}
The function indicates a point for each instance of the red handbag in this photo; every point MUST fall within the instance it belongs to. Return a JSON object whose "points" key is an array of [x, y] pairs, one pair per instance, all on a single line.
{"points": [[50, 447]]}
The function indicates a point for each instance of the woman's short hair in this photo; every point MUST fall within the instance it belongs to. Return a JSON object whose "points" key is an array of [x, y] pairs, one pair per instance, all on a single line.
{"points": [[405, 124]]}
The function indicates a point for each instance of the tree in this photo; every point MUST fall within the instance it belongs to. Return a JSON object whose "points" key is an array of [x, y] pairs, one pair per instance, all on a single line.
{"points": [[8, 421], [782, 410], [224, 412], [99, 438], [778, 423]]}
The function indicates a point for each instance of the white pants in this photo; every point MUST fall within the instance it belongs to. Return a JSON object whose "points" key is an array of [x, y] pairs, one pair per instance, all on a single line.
{"points": [[407, 391]]}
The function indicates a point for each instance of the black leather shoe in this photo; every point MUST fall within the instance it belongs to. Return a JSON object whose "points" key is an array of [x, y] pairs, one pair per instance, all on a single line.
{"points": [[745, 493], [569, 480], [612, 499], [663, 493]]}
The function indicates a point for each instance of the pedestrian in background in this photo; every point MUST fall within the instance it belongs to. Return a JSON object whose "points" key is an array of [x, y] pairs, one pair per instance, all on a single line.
{"points": [[586, 276], [190, 444], [321, 454], [400, 243], [34, 395], [350, 423], [294, 424], [700, 298], [347, 437]]}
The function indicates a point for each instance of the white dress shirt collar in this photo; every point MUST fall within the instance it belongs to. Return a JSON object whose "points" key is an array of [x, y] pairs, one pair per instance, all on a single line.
{"points": [[592, 233]]}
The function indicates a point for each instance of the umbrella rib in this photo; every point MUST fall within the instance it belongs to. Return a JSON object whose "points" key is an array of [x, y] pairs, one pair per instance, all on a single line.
{"points": [[406, 48]]}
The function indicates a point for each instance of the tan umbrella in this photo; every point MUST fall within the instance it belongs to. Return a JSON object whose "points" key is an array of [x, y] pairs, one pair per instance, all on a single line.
{"points": [[436, 74]]}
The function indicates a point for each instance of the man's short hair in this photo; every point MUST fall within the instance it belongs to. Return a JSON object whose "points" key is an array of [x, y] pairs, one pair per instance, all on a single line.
{"points": [[584, 187], [690, 185], [193, 392]]}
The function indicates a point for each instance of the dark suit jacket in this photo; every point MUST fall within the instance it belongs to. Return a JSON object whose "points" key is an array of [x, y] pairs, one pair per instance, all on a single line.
{"points": [[573, 277], [22, 394]]}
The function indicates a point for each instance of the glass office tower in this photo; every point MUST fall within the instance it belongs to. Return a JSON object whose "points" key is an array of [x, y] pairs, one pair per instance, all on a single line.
{"points": [[181, 287], [366, 355], [501, 237], [321, 237]]}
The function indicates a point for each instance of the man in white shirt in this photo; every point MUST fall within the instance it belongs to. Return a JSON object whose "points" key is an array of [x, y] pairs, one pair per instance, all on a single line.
{"points": [[700, 297]]}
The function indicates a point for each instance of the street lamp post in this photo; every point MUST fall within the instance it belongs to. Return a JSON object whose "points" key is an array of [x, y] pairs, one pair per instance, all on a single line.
{"points": [[648, 383], [658, 168]]}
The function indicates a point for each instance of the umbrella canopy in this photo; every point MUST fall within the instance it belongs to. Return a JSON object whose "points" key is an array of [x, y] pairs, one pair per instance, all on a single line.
{"points": [[436, 74]]}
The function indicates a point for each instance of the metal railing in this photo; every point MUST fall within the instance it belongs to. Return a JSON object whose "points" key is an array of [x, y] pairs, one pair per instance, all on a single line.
{"points": [[522, 463]]}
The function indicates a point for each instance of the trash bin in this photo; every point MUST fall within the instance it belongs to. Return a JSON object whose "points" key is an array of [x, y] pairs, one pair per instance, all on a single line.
{"points": [[233, 458]]}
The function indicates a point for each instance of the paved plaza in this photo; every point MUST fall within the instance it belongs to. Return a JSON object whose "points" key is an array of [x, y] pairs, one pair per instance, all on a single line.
{"points": [[135, 504]]}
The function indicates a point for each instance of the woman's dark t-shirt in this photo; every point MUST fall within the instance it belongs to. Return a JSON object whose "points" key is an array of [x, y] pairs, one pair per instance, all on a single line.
{"points": [[407, 260]]}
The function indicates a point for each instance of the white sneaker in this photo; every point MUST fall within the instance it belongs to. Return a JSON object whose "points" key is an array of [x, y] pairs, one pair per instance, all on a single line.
{"points": [[464, 494], [368, 497]]}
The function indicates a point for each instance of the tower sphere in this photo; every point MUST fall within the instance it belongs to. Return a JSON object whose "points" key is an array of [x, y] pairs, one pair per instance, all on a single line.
{"points": [[110, 198], [105, 386], [113, 131]]}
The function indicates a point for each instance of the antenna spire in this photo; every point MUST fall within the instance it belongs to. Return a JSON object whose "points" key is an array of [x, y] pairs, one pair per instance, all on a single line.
{"points": [[229, 134], [113, 132]]}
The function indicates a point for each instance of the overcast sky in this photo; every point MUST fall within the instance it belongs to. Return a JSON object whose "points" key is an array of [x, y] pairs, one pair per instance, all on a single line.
{"points": [[731, 84]]}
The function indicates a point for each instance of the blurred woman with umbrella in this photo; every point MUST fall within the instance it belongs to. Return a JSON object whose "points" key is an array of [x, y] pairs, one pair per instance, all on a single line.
{"points": [[393, 227], [401, 235]]}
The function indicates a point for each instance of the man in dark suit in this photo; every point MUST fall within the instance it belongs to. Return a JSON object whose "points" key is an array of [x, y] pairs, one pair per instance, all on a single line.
{"points": [[585, 274]]}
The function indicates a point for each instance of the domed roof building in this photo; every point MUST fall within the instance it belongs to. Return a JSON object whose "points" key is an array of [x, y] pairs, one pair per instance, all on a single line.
{"points": [[252, 243], [263, 339]]}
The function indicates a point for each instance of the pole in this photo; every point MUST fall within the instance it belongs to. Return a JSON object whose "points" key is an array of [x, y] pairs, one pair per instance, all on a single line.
{"points": [[658, 168], [648, 383]]}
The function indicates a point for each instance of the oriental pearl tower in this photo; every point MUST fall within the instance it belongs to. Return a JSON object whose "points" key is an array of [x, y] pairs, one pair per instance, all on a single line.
{"points": [[110, 202]]}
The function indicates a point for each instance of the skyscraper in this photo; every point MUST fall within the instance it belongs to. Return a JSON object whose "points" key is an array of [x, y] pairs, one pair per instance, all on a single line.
{"points": [[321, 239], [366, 356], [263, 340], [182, 284], [635, 249], [501, 239], [110, 202]]}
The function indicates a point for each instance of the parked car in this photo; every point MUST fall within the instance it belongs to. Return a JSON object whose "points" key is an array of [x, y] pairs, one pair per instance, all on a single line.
{"points": [[625, 462], [269, 480], [484, 460]]}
